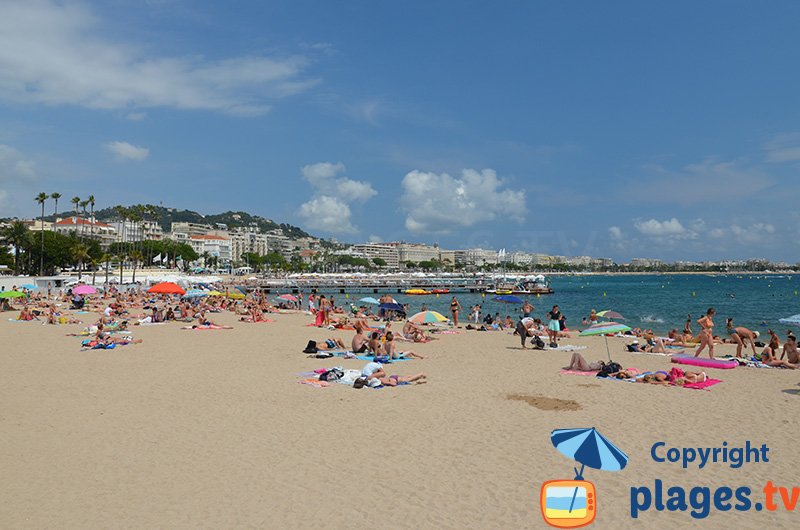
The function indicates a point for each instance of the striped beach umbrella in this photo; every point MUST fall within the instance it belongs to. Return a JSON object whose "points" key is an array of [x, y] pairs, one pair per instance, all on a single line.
{"points": [[611, 315], [605, 329], [428, 317], [589, 448]]}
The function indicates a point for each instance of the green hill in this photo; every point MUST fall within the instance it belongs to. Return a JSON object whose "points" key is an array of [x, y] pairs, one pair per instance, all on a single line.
{"points": [[166, 216]]}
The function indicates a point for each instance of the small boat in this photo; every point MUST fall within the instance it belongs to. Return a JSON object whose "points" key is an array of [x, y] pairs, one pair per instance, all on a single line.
{"points": [[417, 291], [441, 291]]}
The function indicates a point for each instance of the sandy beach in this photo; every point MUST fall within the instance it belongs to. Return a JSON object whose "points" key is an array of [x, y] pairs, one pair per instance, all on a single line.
{"points": [[211, 429]]}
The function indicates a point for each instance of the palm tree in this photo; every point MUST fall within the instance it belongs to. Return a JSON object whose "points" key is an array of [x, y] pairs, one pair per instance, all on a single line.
{"points": [[18, 236], [91, 215], [80, 252], [136, 257], [106, 258], [41, 198], [94, 262], [84, 204], [75, 202], [55, 196]]}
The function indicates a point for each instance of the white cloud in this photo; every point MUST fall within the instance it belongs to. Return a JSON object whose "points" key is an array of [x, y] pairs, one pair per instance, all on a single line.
{"points": [[615, 232], [707, 181], [327, 214], [54, 53], [783, 148], [717, 233], [655, 228], [754, 233], [375, 239], [329, 209], [126, 151], [14, 166], [439, 203]]}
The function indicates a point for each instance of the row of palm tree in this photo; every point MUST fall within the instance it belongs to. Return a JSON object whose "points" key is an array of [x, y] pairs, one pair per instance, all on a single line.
{"points": [[76, 202]]}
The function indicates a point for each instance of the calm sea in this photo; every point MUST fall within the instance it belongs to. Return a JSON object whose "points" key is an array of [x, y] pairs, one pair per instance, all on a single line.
{"points": [[660, 302]]}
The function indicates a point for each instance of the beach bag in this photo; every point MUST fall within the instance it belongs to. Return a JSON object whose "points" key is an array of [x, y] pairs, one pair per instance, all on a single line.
{"points": [[311, 347], [538, 343], [607, 369], [334, 374]]}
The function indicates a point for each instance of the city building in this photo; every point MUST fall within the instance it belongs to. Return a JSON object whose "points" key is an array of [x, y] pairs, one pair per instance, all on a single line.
{"points": [[217, 246], [387, 253], [128, 231], [92, 229]]}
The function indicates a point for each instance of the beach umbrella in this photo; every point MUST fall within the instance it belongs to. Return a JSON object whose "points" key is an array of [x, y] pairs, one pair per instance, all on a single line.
{"points": [[611, 315], [28, 286], [215, 293], [428, 317], [84, 289], [604, 328], [288, 297], [195, 293], [235, 296], [508, 299], [590, 448], [392, 307], [166, 288], [12, 294], [795, 319], [370, 300]]}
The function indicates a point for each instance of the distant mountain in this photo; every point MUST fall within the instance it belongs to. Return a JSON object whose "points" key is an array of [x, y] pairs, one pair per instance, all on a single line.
{"points": [[165, 217]]}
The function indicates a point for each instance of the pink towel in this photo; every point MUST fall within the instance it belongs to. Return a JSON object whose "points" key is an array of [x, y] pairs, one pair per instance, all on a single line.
{"points": [[705, 384], [578, 372]]}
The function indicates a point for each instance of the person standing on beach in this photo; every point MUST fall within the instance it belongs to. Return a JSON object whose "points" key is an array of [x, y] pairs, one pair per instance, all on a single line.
{"points": [[455, 307], [554, 326], [706, 323], [741, 336]]}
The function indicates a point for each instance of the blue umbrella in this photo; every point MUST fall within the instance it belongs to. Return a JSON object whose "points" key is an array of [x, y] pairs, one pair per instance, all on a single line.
{"points": [[508, 298], [370, 300], [590, 448], [195, 293], [788, 320], [28, 286], [392, 307]]}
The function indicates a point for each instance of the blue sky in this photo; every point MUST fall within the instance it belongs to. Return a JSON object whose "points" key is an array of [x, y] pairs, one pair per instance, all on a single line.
{"points": [[616, 129]]}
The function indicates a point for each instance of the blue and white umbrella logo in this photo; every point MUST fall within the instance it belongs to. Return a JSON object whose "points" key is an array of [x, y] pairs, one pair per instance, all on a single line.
{"points": [[590, 448]]}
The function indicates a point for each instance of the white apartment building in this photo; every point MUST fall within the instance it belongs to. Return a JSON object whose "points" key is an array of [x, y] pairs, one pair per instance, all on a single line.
{"points": [[218, 246], [89, 228], [387, 253], [128, 231], [247, 241], [415, 252]]}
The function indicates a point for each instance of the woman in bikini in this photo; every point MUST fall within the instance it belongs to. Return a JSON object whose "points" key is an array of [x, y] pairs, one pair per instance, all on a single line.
{"points": [[455, 307], [706, 323]]}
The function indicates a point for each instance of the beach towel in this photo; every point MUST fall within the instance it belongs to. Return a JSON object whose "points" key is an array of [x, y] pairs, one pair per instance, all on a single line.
{"points": [[701, 386], [655, 353], [567, 347], [367, 357], [314, 382], [578, 372]]}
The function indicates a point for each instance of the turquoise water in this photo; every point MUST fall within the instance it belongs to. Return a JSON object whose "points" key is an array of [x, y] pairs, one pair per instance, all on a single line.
{"points": [[660, 302]]}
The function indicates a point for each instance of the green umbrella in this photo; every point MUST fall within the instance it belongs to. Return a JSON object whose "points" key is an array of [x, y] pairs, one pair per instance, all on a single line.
{"points": [[605, 328], [12, 294]]}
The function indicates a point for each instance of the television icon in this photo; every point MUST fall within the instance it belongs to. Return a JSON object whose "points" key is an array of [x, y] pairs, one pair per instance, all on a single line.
{"points": [[568, 503]]}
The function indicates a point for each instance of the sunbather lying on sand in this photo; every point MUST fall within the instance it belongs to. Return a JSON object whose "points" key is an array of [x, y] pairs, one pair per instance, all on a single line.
{"points": [[652, 346], [579, 364], [375, 370]]}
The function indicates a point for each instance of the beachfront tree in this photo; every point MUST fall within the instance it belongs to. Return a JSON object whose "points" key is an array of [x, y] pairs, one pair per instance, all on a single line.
{"points": [[80, 253], [41, 199], [135, 256], [75, 202], [106, 260], [55, 196], [18, 236], [83, 205], [379, 262], [90, 200]]}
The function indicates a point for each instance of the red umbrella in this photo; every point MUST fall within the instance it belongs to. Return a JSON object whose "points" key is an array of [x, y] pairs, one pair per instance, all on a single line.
{"points": [[289, 297], [167, 288]]}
